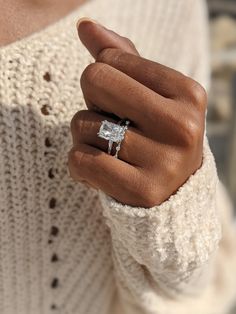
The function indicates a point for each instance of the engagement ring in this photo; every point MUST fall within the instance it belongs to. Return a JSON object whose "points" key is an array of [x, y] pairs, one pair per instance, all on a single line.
{"points": [[113, 133]]}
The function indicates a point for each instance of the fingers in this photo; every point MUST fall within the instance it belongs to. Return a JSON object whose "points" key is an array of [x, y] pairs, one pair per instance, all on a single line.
{"points": [[119, 52], [153, 115], [157, 117], [113, 176], [115, 92], [85, 126], [96, 37], [159, 78]]}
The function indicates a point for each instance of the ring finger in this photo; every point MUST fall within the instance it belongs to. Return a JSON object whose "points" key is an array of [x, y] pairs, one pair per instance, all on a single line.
{"points": [[86, 124]]}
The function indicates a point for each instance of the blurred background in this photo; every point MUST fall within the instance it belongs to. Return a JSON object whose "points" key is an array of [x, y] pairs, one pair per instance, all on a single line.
{"points": [[222, 99]]}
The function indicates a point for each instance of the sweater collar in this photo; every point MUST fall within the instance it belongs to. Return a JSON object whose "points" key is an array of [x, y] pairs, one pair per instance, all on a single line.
{"points": [[44, 56]]}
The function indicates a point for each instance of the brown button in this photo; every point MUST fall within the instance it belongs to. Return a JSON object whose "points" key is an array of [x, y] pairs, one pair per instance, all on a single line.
{"points": [[54, 231], [47, 77], [47, 142], [53, 307], [52, 202], [50, 241], [55, 283], [44, 110], [50, 173], [54, 258]]}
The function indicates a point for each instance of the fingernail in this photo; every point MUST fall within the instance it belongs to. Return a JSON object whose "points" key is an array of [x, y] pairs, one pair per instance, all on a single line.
{"points": [[89, 20], [86, 20]]}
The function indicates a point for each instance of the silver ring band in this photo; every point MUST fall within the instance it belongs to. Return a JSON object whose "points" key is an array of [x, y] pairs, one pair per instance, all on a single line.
{"points": [[125, 123], [110, 143]]}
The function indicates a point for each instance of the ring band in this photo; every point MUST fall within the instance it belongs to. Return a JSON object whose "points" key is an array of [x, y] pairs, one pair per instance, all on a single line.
{"points": [[113, 133], [110, 143], [125, 123]]}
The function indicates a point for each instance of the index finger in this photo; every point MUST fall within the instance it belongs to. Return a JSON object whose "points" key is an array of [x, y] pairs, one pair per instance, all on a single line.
{"points": [[159, 78]]}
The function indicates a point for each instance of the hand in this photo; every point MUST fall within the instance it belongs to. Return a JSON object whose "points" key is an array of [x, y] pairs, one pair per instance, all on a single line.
{"points": [[164, 144]]}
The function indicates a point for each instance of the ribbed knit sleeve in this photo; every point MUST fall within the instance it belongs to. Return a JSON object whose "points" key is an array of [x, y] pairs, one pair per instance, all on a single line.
{"points": [[167, 249]]}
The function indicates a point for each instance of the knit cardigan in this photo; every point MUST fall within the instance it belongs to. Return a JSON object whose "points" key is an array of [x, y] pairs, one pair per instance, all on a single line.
{"points": [[69, 249]]}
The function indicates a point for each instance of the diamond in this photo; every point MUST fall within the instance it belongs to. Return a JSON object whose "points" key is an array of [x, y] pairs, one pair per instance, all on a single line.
{"points": [[111, 131]]}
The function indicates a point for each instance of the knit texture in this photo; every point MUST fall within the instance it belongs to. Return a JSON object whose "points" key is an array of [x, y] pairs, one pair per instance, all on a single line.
{"points": [[69, 249]]}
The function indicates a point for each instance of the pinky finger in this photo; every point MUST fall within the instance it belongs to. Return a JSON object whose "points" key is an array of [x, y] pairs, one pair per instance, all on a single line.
{"points": [[105, 172]]}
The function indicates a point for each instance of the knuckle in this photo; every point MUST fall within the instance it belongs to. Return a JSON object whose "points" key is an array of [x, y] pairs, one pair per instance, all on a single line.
{"points": [[172, 165], [93, 73], [149, 200], [108, 55], [147, 195], [129, 42], [77, 120], [191, 132], [75, 157], [72, 163], [196, 93]]}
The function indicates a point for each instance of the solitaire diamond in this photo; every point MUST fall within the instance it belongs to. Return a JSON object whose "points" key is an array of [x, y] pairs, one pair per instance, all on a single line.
{"points": [[111, 131]]}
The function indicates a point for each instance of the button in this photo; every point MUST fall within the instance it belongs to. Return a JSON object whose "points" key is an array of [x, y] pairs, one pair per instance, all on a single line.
{"points": [[47, 142], [50, 173], [47, 77], [54, 258], [53, 307], [44, 110], [55, 283], [52, 202], [54, 231]]}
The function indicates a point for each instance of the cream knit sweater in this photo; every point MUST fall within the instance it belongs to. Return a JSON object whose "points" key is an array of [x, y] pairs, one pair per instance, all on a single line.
{"points": [[68, 249]]}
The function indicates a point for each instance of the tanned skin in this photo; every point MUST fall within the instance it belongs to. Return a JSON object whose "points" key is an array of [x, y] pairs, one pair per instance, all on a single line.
{"points": [[20, 18]]}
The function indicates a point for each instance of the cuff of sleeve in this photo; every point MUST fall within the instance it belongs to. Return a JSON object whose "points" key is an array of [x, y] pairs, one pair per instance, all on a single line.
{"points": [[183, 231]]}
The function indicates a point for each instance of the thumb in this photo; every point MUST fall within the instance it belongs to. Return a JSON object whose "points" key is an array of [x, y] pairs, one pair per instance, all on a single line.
{"points": [[96, 38]]}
